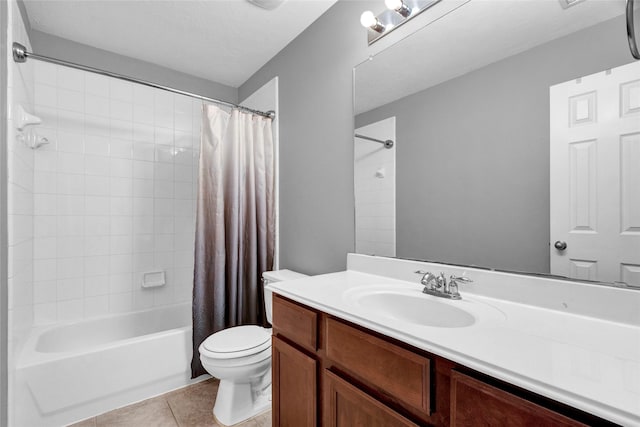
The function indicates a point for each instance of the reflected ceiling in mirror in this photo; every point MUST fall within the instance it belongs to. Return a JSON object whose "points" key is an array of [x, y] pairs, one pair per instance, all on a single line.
{"points": [[477, 34], [470, 96]]}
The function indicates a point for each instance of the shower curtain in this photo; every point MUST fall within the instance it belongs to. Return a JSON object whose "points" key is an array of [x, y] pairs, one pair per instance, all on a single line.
{"points": [[235, 224]]}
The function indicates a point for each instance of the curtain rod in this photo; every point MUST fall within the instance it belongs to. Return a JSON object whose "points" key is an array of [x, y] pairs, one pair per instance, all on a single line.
{"points": [[387, 143], [20, 54]]}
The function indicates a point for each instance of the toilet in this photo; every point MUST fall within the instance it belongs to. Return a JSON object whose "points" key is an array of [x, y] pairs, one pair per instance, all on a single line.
{"points": [[240, 357]]}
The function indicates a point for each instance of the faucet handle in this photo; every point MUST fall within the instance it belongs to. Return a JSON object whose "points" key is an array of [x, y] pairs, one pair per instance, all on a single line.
{"points": [[453, 285], [456, 279], [428, 278], [441, 282], [453, 289]]}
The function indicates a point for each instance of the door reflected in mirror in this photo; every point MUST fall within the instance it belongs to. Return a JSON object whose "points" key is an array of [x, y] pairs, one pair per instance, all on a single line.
{"points": [[517, 125]]}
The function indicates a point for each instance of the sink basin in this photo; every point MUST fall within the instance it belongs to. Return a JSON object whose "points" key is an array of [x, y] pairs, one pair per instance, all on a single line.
{"points": [[414, 307]]}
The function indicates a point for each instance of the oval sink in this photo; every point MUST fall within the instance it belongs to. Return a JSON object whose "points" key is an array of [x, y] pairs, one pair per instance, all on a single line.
{"points": [[415, 308]]}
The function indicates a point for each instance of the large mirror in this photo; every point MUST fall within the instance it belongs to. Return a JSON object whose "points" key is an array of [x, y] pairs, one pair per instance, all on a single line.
{"points": [[516, 129]]}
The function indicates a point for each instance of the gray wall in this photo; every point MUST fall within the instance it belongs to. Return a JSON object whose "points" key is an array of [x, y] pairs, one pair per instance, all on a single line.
{"points": [[56, 47], [473, 154], [316, 144], [4, 307]]}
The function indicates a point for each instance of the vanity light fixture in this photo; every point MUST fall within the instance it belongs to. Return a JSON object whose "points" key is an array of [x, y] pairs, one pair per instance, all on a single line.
{"points": [[398, 12], [369, 20], [398, 6]]}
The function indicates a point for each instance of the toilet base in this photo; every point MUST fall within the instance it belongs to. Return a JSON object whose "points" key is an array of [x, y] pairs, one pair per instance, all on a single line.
{"points": [[237, 402]]}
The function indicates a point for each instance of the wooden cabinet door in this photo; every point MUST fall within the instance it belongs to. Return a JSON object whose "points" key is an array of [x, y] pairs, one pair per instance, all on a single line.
{"points": [[475, 403], [294, 387], [347, 406]]}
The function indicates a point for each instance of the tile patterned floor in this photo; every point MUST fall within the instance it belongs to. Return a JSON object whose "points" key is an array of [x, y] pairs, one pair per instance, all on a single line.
{"points": [[186, 407]]}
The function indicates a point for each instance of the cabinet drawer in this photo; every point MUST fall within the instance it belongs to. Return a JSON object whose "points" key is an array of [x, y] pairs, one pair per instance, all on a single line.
{"points": [[347, 406], [297, 323], [475, 403], [395, 371]]}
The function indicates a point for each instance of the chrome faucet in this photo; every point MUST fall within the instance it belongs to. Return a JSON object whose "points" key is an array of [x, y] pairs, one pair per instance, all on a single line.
{"points": [[453, 283], [438, 285], [441, 283], [428, 280]]}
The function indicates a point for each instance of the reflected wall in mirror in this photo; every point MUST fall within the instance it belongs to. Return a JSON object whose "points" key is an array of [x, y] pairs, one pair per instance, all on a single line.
{"points": [[470, 94]]}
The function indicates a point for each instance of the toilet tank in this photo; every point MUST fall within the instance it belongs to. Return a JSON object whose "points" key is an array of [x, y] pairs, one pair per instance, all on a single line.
{"points": [[276, 276]]}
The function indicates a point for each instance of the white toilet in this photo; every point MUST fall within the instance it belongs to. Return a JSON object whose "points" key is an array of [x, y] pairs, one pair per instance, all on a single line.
{"points": [[240, 358]]}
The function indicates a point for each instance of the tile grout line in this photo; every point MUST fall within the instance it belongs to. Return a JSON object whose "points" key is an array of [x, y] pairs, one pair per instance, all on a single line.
{"points": [[171, 409]]}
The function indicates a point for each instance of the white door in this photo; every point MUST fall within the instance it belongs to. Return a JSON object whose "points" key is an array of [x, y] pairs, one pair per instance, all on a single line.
{"points": [[595, 176]]}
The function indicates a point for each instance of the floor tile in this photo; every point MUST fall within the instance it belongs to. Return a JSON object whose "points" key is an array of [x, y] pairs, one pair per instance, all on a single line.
{"points": [[263, 420], [90, 422], [153, 412], [192, 406], [249, 423]]}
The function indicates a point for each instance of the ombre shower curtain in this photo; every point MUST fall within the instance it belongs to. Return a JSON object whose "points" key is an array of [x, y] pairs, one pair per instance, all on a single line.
{"points": [[235, 223]]}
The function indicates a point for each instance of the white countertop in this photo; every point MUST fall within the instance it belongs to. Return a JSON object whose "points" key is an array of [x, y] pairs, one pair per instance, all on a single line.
{"points": [[589, 363]]}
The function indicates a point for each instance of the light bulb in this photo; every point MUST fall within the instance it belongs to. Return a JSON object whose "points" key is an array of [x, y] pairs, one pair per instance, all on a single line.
{"points": [[393, 4], [368, 19], [398, 6]]}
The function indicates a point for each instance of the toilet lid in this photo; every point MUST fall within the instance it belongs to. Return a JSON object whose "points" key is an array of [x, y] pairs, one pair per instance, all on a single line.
{"points": [[239, 339]]}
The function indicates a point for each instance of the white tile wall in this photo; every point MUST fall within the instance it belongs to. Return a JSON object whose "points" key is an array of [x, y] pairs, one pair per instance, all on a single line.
{"points": [[375, 190], [21, 203], [20, 206], [114, 195]]}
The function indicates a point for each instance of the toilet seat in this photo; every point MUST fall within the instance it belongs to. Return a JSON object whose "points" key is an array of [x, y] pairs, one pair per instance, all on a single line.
{"points": [[236, 342]]}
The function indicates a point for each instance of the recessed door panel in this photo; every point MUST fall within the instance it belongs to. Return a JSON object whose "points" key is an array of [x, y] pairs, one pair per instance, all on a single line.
{"points": [[630, 182], [630, 274], [630, 98], [584, 269], [582, 162]]}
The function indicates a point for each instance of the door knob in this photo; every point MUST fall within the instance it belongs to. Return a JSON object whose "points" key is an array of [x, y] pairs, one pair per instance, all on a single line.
{"points": [[561, 246]]}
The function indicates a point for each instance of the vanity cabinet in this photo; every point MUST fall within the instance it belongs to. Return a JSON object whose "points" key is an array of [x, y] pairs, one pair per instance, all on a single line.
{"points": [[329, 372]]}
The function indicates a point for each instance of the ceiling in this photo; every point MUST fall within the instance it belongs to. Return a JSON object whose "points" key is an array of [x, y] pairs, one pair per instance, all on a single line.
{"points": [[477, 34], [225, 41]]}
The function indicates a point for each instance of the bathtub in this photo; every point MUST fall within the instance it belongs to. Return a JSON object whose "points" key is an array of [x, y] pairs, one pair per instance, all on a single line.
{"points": [[69, 372]]}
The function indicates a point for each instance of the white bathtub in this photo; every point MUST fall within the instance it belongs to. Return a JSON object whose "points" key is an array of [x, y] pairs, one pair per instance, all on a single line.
{"points": [[73, 371]]}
